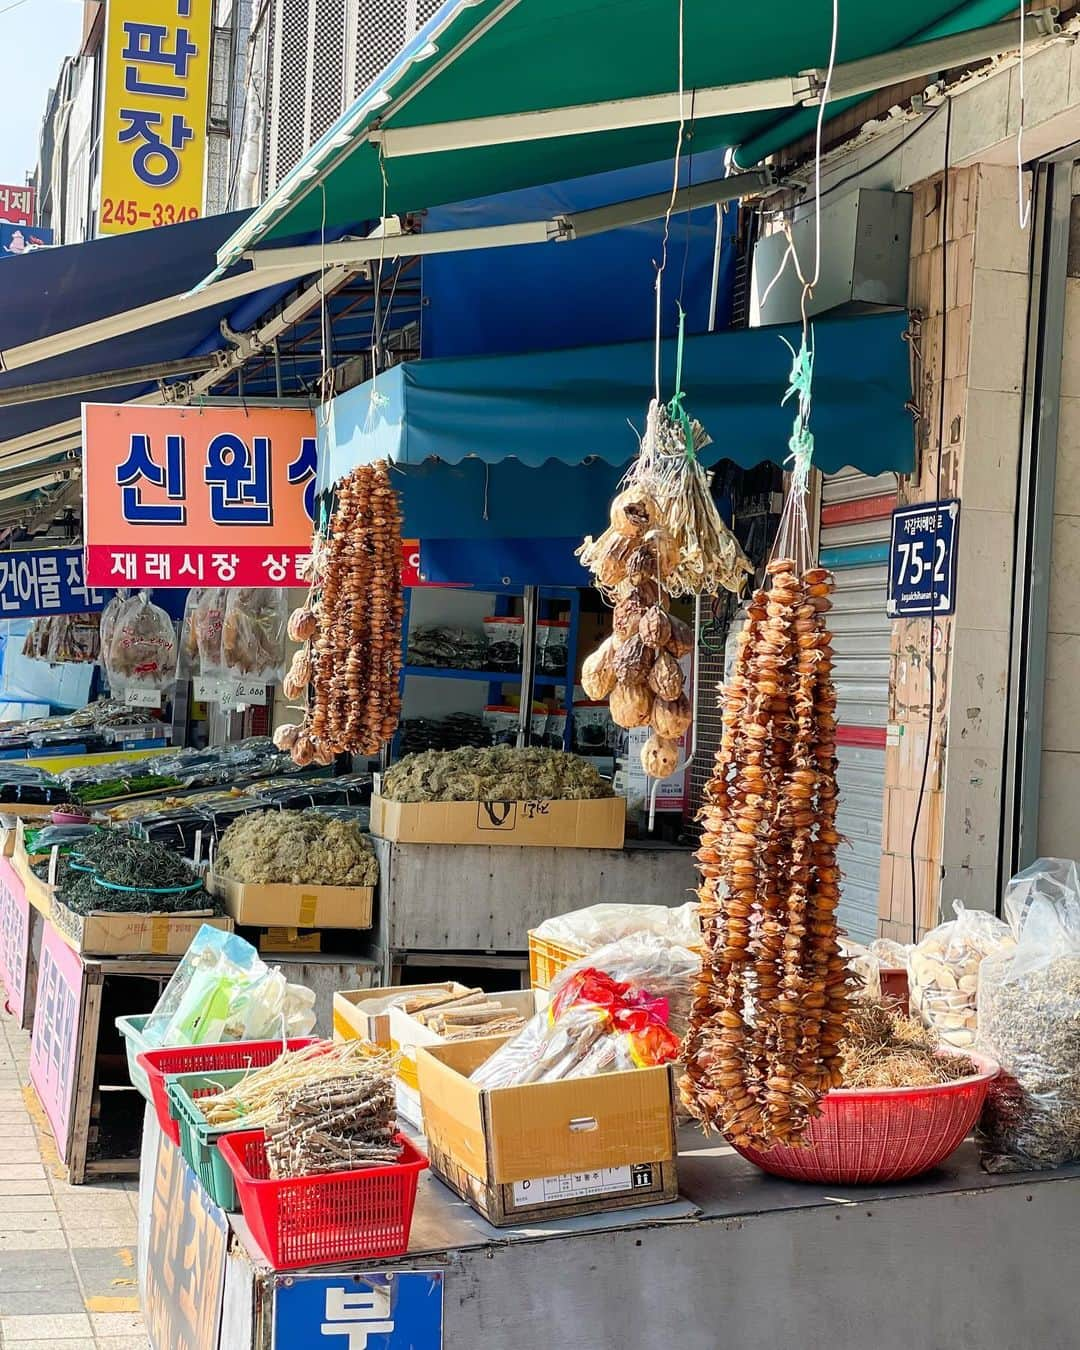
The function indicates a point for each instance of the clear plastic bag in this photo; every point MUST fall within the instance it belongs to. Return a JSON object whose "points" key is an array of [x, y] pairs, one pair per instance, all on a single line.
{"points": [[223, 991], [1029, 1021], [143, 650], [598, 925], [943, 972], [109, 615], [624, 1006], [209, 623], [253, 633]]}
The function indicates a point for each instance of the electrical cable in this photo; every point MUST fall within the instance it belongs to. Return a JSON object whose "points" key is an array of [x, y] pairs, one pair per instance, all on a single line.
{"points": [[1024, 212], [944, 208]]}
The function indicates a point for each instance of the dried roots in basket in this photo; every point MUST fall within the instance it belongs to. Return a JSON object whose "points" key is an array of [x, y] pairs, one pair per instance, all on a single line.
{"points": [[771, 1001]]}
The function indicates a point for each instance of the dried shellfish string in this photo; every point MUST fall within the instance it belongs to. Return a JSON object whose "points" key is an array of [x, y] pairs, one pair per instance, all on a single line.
{"points": [[771, 999]]}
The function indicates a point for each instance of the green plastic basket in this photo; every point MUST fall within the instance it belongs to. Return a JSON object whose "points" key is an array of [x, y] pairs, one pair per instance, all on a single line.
{"points": [[198, 1140], [135, 1044]]}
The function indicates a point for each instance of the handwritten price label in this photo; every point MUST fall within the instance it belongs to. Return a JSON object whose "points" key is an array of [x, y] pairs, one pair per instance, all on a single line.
{"points": [[143, 698]]}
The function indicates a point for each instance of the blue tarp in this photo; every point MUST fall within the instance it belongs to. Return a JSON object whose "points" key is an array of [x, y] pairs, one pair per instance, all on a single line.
{"points": [[580, 405], [539, 297], [56, 289]]}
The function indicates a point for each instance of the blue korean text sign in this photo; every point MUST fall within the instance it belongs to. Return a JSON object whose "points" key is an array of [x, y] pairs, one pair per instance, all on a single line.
{"points": [[386, 1310], [46, 581], [922, 559]]}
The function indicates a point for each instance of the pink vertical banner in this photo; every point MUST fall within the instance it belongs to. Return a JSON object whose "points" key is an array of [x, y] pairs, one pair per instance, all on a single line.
{"points": [[54, 1046], [14, 938]]}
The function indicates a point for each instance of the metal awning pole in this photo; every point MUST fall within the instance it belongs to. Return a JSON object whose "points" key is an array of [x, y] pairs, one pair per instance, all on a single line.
{"points": [[529, 604]]}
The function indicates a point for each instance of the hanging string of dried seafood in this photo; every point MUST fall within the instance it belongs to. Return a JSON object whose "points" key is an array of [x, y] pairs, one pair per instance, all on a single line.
{"points": [[665, 539], [770, 1003], [349, 666]]}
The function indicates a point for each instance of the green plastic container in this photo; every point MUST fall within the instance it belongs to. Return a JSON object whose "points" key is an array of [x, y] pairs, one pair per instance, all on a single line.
{"points": [[198, 1140], [135, 1044]]}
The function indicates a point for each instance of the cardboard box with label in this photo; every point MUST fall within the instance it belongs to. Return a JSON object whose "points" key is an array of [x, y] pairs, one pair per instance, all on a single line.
{"points": [[106, 934], [544, 823], [281, 906], [547, 1150], [375, 1015]]}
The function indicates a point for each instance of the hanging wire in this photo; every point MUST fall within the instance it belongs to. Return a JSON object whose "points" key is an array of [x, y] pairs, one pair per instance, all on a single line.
{"points": [[671, 203], [1023, 208]]}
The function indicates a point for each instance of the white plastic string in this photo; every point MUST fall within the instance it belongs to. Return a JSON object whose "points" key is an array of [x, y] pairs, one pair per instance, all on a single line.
{"points": [[1023, 208], [671, 206], [826, 89]]}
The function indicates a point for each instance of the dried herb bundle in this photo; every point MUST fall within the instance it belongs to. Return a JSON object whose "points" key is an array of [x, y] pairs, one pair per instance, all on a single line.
{"points": [[882, 1049]]}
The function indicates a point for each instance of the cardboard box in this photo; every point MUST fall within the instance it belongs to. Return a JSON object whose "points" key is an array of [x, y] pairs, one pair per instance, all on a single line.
{"points": [[373, 1015], [131, 934], [537, 824], [281, 906], [38, 893], [547, 1150], [289, 940]]}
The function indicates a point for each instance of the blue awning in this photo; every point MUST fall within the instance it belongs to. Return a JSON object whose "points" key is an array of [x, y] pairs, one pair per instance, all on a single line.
{"points": [[581, 405], [52, 291]]}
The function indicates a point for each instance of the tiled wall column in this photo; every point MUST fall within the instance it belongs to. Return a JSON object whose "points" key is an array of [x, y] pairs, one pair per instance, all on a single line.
{"points": [[980, 312]]}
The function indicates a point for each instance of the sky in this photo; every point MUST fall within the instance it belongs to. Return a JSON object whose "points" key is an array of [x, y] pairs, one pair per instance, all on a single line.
{"points": [[35, 36]]}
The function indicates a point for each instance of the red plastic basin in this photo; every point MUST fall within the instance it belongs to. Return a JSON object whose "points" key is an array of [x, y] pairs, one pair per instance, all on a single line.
{"points": [[867, 1135]]}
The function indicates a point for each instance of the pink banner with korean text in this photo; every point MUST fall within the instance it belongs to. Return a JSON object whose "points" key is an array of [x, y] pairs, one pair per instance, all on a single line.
{"points": [[14, 939], [54, 1045]]}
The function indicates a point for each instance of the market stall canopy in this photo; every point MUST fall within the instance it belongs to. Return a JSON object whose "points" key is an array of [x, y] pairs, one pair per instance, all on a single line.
{"points": [[494, 95], [106, 320], [581, 405]]}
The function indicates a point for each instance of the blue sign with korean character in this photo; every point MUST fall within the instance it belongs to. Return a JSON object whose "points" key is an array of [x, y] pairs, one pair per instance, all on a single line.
{"points": [[384, 1310], [46, 581], [922, 559]]}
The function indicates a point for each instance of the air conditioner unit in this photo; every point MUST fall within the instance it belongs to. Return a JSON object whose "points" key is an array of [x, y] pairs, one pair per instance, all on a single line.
{"points": [[865, 254]]}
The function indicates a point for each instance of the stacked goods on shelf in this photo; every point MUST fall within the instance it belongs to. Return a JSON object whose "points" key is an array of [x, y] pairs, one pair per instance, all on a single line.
{"points": [[347, 671], [500, 795], [449, 646]]}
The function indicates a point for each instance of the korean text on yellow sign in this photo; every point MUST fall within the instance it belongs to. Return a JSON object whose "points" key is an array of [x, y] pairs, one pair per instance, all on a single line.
{"points": [[153, 139]]}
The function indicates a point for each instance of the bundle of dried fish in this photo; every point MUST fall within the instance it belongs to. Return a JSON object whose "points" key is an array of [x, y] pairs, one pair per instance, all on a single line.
{"points": [[771, 1001]]}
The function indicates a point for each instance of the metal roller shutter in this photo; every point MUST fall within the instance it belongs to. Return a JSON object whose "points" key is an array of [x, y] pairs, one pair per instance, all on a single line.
{"points": [[855, 527]]}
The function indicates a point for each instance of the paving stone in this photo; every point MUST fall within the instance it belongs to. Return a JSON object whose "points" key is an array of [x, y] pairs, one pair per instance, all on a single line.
{"points": [[54, 1326]]}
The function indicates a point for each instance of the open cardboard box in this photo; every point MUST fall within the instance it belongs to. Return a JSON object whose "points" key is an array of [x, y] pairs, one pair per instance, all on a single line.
{"points": [[106, 934], [38, 892], [547, 1150], [373, 1015], [282, 906], [537, 824]]}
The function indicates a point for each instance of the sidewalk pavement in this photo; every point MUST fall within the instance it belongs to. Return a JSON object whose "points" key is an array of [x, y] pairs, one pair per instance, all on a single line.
{"points": [[67, 1253]]}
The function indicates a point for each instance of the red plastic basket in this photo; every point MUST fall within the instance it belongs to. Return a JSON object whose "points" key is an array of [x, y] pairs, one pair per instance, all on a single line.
{"points": [[158, 1064], [867, 1135], [311, 1221]]}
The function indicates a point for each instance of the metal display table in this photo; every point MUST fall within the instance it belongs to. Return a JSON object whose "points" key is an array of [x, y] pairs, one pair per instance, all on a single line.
{"points": [[958, 1259]]}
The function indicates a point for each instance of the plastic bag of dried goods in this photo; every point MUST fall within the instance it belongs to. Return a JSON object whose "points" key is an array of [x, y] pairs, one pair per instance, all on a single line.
{"points": [[598, 925], [253, 633], [209, 622], [143, 649], [943, 972], [109, 615], [1029, 1021]]}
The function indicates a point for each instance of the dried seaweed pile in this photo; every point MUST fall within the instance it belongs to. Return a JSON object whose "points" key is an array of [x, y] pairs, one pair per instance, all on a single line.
{"points": [[884, 1049], [771, 999], [297, 848], [127, 875], [501, 774]]}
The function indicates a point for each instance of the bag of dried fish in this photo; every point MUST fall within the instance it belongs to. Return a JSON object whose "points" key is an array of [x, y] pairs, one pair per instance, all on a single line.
{"points": [[1029, 1021], [143, 650], [253, 633]]}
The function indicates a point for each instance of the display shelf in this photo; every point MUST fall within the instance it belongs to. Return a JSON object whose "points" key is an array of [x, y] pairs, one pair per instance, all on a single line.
{"points": [[485, 676]]}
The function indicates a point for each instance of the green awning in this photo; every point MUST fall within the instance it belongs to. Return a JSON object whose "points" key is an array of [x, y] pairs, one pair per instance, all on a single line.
{"points": [[558, 82]]}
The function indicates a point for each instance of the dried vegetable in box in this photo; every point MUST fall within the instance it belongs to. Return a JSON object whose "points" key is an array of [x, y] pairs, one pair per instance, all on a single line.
{"points": [[665, 539], [349, 665], [296, 848], [461, 1016], [501, 773], [116, 873]]}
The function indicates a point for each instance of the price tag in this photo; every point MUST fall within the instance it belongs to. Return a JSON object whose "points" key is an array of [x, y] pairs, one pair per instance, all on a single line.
{"points": [[205, 690], [247, 691], [143, 698]]}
